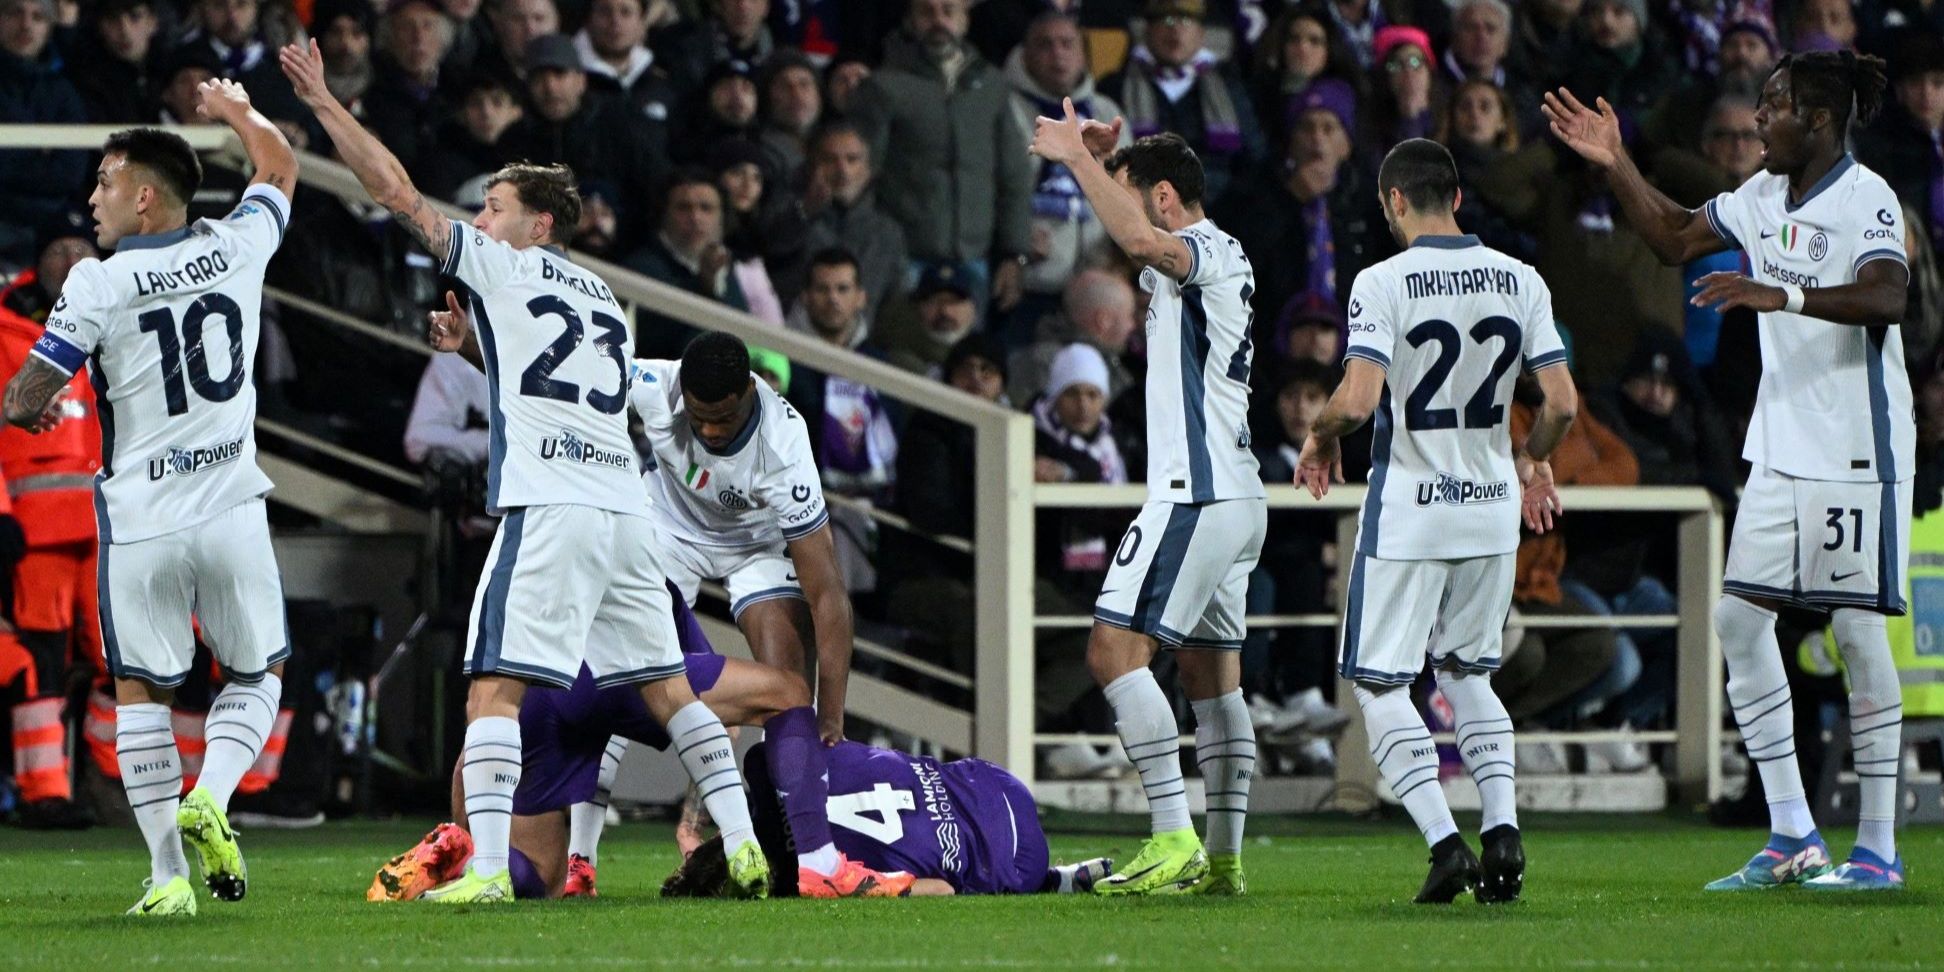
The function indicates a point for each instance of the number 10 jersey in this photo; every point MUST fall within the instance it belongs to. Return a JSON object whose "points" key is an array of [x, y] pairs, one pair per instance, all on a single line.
{"points": [[1447, 320], [557, 347], [170, 325]]}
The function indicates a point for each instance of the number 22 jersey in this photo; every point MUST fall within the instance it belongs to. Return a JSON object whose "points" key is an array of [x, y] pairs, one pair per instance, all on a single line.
{"points": [[170, 325], [556, 346], [1447, 320]]}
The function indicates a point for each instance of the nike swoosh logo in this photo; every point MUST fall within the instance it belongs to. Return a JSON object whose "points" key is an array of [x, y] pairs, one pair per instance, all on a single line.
{"points": [[1105, 592], [789, 577], [1126, 878], [1767, 235], [1835, 578]]}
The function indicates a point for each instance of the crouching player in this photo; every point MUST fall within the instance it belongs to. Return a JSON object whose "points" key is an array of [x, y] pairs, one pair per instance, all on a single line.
{"points": [[564, 735], [963, 827]]}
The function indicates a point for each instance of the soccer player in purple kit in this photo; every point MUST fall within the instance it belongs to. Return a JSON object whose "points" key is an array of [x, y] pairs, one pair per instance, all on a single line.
{"points": [[565, 735]]}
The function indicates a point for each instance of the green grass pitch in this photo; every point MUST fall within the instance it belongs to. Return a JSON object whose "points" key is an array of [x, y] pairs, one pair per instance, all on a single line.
{"points": [[1601, 893]]}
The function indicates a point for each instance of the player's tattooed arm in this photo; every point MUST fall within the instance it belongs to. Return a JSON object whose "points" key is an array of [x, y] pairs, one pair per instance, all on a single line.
{"points": [[431, 228], [32, 401]]}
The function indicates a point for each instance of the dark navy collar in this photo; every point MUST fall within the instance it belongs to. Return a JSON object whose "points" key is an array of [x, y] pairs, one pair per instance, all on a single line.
{"points": [[555, 250], [153, 241], [742, 438], [1446, 242], [1829, 179]]}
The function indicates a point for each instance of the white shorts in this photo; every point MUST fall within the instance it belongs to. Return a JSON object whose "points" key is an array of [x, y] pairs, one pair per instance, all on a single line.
{"points": [[1181, 573], [1401, 612], [752, 574], [1821, 544], [222, 572], [571, 584]]}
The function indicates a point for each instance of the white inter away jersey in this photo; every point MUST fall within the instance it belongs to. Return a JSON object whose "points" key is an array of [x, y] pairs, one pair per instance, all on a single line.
{"points": [[1199, 356], [1835, 400], [170, 325], [1451, 321], [763, 487], [556, 347]]}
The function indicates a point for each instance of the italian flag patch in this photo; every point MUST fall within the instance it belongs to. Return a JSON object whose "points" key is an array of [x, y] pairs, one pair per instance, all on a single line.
{"points": [[694, 480]]}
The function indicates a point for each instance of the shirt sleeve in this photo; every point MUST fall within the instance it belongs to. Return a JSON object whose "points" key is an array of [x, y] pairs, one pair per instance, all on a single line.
{"points": [[794, 491], [1728, 213], [1878, 232], [260, 217], [482, 263], [79, 319], [1373, 329], [1543, 345], [1204, 259]]}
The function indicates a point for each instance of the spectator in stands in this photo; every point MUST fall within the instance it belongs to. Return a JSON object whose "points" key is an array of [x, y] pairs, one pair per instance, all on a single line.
{"points": [[1052, 65], [244, 43], [183, 71], [941, 312], [409, 99], [724, 111], [1906, 145], [1073, 442], [841, 80], [120, 85], [1479, 128], [449, 414], [1823, 25], [1172, 83], [1311, 328], [1615, 58], [730, 30], [834, 306], [471, 34], [1731, 151], [613, 48], [756, 228], [35, 184], [1300, 46], [1309, 222], [999, 26], [618, 154], [792, 103], [1542, 37], [1402, 101], [343, 29], [65, 239], [515, 23], [1745, 56], [959, 194], [1097, 310], [1662, 413], [475, 143], [843, 211], [687, 253]]}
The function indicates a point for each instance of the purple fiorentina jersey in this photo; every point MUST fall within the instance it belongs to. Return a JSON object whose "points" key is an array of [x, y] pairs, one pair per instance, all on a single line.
{"points": [[967, 822]]}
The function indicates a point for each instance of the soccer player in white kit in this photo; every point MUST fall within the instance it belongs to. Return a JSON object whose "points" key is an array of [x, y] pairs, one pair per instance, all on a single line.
{"points": [[1180, 576], [1824, 521], [1438, 336], [573, 574], [169, 326]]}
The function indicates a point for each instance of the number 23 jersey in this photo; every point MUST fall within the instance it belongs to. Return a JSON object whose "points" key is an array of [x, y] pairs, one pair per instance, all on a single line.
{"points": [[556, 347], [170, 324], [1447, 320]]}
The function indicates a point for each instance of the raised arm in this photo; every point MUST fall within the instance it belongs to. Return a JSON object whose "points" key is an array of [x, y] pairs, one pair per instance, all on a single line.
{"points": [[1675, 233], [226, 101], [1061, 140], [815, 557], [379, 171]]}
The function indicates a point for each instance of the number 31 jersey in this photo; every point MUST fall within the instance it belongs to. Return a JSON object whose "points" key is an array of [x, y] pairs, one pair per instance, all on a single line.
{"points": [[556, 346], [1448, 320], [170, 324]]}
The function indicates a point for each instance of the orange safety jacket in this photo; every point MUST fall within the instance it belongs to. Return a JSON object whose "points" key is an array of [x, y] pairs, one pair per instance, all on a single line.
{"points": [[50, 476]]}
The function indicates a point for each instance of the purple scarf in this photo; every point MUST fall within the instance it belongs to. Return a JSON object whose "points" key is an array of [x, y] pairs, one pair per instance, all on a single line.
{"points": [[1056, 194]]}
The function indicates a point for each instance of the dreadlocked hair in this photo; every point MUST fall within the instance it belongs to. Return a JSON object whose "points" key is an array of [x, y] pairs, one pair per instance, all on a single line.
{"points": [[1837, 81]]}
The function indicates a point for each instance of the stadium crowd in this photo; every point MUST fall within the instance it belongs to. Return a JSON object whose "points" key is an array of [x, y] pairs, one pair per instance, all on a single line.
{"points": [[858, 171]]}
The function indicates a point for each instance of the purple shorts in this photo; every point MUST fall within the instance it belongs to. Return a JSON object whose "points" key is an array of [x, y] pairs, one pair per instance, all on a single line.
{"points": [[1001, 806]]}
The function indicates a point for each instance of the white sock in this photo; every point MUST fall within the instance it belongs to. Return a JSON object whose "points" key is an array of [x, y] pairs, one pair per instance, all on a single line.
{"points": [[1485, 743], [151, 772], [1876, 726], [489, 766], [1758, 690], [824, 860], [706, 754], [1407, 758], [234, 733], [1148, 732], [586, 820], [1225, 749]]}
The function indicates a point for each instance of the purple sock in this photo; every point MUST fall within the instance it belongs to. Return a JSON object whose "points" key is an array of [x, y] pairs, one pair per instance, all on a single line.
{"points": [[526, 878], [797, 767]]}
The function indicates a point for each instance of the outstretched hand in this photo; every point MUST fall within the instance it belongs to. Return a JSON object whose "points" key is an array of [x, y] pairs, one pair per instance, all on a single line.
{"points": [[220, 100], [1595, 135], [1538, 497], [304, 66], [1320, 465], [446, 330], [1060, 139]]}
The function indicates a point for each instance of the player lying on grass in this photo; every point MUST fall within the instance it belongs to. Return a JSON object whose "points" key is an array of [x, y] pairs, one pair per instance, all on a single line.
{"points": [[963, 827], [565, 733]]}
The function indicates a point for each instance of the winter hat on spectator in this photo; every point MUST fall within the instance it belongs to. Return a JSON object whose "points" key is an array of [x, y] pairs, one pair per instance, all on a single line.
{"points": [[940, 277], [728, 68], [731, 152], [980, 345], [552, 52], [359, 11], [1076, 364], [1397, 35], [62, 225], [1326, 94], [1756, 26], [763, 359], [782, 59], [1636, 7]]}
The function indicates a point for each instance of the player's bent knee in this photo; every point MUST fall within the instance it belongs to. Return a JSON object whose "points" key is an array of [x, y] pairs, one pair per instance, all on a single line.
{"points": [[1207, 673], [1113, 652]]}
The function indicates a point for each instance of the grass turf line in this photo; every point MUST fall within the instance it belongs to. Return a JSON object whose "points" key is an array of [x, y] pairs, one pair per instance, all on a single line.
{"points": [[1602, 893]]}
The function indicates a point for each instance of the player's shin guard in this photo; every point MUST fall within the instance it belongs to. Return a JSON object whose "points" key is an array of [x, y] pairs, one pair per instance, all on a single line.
{"points": [[711, 764], [1876, 726], [1225, 750], [1485, 743], [586, 820], [151, 772], [1758, 691], [795, 757], [489, 768], [1147, 728], [235, 732], [1407, 758]]}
